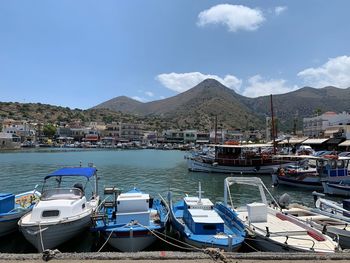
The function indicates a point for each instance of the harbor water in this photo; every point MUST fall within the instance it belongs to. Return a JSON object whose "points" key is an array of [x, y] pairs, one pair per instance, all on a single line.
{"points": [[152, 171]]}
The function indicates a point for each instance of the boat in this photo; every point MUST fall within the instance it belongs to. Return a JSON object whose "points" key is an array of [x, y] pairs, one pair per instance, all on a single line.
{"points": [[13, 207], [301, 174], [270, 229], [331, 208], [201, 224], [330, 174], [239, 159], [132, 221], [336, 228], [63, 211]]}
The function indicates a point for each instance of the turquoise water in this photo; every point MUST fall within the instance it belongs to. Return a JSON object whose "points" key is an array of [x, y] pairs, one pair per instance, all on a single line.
{"points": [[152, 171]]}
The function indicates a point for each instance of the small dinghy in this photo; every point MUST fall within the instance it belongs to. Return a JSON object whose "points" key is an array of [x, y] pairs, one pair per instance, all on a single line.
{"points": [[13, 207], [62, 212], [272, 230], [132, 221], [202, 225]]}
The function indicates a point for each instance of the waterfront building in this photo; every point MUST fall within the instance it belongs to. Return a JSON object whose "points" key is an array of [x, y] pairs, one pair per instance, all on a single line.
{"points": [[173, 136], [203, 137], [131, 132], [190, 136], [9, 141], [23, 129], [326, 125]]}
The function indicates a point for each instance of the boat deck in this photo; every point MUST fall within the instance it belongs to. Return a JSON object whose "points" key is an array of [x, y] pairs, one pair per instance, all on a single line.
{"points": [[282, 231]]}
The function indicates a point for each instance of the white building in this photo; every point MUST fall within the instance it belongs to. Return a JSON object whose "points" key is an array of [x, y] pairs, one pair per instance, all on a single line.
{"points": [[326, 125]]}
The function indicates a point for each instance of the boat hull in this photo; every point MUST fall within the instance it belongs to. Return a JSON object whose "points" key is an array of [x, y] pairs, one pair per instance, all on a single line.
{"points": [[131, 244], [53, 235], [8, 226], [197, 166], [308, 183], [336, 189]]}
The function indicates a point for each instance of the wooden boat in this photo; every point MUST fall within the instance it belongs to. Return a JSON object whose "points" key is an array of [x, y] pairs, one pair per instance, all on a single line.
{"points": [[132, 221], [330, 174], [271, 230], [240, 159], [336, 228], [62, 212], [13, 207], [201, 224]]}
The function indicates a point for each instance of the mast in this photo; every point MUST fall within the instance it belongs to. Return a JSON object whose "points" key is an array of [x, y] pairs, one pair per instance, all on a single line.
{"points": [[216, 128], [273, 127]]}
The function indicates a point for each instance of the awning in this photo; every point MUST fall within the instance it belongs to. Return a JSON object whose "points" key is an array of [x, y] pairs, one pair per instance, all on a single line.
{"points": [[293, 140], [202, 141], [334, 141], [345, 143], [75, 171], [314, 141], [331, 130]]}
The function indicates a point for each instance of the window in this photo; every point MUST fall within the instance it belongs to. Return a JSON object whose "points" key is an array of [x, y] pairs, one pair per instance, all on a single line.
{"points": [[209, 227], [50, 213]]}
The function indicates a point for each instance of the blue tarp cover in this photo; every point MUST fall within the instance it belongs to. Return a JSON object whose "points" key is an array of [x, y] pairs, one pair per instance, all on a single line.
{"points": [[76, 171]]}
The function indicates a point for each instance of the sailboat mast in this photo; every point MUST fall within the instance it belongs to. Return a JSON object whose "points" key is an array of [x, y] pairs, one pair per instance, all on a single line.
{"points": [[273, 126]]}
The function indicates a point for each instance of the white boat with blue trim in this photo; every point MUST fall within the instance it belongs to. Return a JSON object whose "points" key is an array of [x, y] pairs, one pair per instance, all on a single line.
{"points": [[62, 212], [132, 221]]}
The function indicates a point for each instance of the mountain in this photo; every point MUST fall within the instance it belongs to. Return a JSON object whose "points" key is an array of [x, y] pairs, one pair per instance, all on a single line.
{"points": [[121, 103], [198, 106]]}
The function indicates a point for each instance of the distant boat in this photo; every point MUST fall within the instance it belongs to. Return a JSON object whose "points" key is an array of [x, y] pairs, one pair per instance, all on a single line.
{"points": [[239, 159], [272, 230], [201, 224], [132, 221], [330, 174], [62, 211], [13, 207]]}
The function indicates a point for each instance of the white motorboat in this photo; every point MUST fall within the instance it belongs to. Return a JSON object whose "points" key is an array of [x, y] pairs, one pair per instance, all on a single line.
{"points": [[62, 212], [331, 226], [272, 230]]}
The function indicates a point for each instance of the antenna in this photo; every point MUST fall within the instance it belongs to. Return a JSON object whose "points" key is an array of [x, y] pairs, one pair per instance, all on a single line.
{"points": [[200, 193]]}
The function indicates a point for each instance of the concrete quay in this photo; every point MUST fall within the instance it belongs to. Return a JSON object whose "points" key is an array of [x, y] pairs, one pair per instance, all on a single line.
{"points": [[170, 256]]}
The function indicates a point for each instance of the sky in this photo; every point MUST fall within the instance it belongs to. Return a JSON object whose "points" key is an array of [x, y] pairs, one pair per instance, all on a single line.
{"points": [[81, 53]]}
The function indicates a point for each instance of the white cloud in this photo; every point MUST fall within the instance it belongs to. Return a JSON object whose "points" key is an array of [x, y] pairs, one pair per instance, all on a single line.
{"points": [[235, 17], [149, 93], [139, 98], [280, 9], [181, 82], [335, 72], [257, 86]]}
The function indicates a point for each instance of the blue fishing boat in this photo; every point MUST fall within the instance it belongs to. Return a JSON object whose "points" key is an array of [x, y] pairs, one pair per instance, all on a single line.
{"points": [[202, 224], [131, 221], [13, 207]]}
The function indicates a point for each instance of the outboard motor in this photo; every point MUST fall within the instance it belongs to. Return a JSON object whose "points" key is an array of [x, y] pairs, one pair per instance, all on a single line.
{"points": [[284, 200]]}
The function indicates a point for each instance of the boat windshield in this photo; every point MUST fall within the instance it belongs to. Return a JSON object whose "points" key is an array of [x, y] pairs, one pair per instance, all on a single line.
{"points": [[62, 193]]}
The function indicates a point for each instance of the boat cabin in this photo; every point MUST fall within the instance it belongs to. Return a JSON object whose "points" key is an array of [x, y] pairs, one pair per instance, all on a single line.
{"points": [[200, 216], [332, 167], [133, 207]]}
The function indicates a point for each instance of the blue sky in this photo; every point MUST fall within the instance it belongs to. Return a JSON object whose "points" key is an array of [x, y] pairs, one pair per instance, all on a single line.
{"points": [[80, 53]]}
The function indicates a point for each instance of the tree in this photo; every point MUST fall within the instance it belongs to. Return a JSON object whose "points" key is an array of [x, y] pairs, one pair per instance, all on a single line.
{"points": [[49, 130]]}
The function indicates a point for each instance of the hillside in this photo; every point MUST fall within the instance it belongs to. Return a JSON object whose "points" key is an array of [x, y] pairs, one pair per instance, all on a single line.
{"points": [[45, 113], [197, 106]]}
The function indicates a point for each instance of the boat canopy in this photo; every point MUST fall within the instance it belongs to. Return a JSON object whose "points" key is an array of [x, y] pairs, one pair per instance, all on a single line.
{"points": [[74, 171]]}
